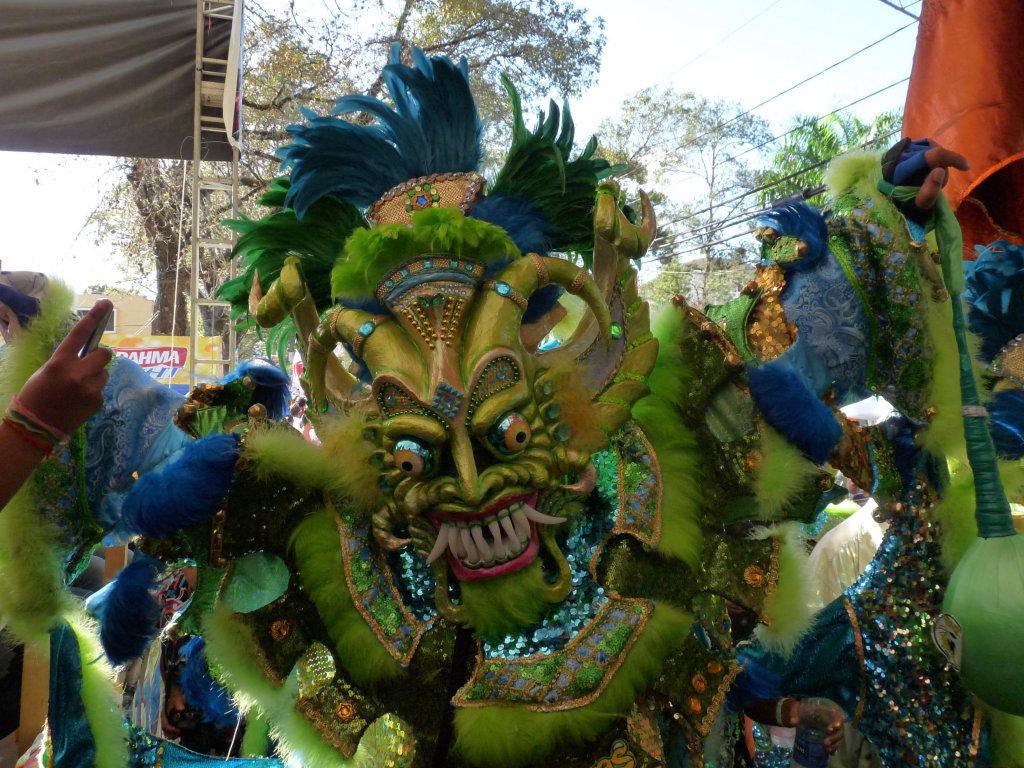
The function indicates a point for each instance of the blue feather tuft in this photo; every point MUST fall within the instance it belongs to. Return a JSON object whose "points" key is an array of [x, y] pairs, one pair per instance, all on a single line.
{"points": [[128, 611], [185, 492], [802, 221], [202, 692], [792, 409], [271, 385], [519, 217], [1006, 409], [432, 127], [994, 292]]}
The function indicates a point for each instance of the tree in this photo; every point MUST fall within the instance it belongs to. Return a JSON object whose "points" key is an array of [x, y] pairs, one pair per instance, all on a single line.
{"points": [[292, 62], [690, 149], [812, 142]]}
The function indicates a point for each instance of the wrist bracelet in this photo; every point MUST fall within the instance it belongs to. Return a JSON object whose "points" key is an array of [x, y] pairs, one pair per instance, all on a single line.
{"points": [[19, 414], [778, 711], [34, 440]]}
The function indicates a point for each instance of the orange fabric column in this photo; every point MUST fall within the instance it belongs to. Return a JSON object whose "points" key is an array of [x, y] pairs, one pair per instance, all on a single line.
{"points": [[966, 92]]}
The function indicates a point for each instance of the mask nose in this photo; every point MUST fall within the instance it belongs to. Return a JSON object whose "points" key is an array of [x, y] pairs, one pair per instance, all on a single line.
{"points": [[465, 467]]}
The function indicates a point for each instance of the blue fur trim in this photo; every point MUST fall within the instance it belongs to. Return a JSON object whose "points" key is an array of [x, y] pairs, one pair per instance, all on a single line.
{"points": [[792, 409], [185, 492], [520, 219], [1007, 426], [202, 692], [271, 385], [802, 221], [432, 127], [128, 611]]}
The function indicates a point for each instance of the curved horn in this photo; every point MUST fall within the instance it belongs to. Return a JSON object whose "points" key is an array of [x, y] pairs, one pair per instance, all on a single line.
{"points": [[498, 311], [630, 240], [353, 327]]}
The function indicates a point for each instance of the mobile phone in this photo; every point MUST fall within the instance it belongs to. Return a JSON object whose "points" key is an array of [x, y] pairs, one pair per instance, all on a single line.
{"points": [[97, 334]]}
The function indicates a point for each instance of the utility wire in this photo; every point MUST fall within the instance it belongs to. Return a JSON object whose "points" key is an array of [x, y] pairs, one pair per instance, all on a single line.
{"points": [[764, 187], [793, 87], [900, 8], [721, 40]]}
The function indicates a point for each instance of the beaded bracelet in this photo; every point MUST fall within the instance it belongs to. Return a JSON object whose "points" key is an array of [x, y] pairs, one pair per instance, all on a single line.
{"points": [[36, 442], [17, 414]]}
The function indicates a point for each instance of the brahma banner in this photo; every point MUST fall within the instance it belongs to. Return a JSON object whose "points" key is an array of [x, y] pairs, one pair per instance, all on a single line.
{"points": [[165, 358]]}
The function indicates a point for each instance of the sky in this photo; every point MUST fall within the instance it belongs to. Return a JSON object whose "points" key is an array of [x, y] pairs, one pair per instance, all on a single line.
{"points": [[742, 50]]}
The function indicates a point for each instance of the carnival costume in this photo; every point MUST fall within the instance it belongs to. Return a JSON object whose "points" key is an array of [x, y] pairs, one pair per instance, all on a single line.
{"points": [[507, 551]]}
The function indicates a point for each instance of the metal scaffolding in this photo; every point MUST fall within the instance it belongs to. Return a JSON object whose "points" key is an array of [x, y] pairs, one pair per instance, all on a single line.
{"points": [[212, 122]]}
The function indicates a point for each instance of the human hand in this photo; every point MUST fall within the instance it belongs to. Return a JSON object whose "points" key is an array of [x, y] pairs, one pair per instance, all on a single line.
{"points": [[791, 719], [939, 160], [67, 390]]}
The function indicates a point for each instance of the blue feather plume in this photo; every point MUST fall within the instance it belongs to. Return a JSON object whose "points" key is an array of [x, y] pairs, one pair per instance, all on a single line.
{"points": [[185, 492], [1006, 409], [202, 692], [793, 410], [271, 385], [128, 611], [802, 221], [432, 127]]}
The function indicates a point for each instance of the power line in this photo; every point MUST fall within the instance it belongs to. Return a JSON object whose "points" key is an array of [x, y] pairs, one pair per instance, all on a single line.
{"points": [[797, 85], [721, 40], [764, 187], [900, 8]]}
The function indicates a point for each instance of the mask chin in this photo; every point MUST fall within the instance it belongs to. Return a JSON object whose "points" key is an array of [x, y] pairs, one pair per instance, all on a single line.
{"points": [[506, 604]]}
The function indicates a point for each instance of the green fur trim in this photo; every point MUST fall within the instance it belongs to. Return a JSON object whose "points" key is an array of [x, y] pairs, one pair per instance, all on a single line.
{"points": [[316, 545], [955, 513], [1007, 739], [781, 475], [370, 254], [34, 596], [944, 435], [855, 172], [256, 740], [227, 644], [787, 611], [101, 697], [288, 455], [507, 736], [674, 444], [497, 607]]}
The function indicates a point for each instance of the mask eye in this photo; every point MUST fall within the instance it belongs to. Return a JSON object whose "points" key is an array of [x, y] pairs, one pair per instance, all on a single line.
{"points": [[413, 457], [511, 434]]}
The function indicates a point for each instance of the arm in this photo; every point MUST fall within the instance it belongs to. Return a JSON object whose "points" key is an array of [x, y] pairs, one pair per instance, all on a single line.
{"points": [[63, 394]]}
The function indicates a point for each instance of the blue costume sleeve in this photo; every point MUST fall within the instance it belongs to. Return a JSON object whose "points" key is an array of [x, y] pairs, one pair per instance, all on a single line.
{"points": [[824, 663]]}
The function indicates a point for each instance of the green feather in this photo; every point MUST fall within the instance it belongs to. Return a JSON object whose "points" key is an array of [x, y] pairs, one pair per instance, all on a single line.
{"points": [[496, 607], [508, 736], [538, 168], [318, 240], [100, 696]]}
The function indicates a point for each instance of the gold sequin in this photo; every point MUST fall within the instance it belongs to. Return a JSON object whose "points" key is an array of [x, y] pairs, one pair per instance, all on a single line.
{"points": [[769, 334], [715, 667], [699, 683], [754, 576], [693, 704], [280, 630], [345, 711]]}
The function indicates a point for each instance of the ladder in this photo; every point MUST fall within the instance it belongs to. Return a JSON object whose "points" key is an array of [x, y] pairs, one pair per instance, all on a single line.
{"points": [[210, 124]]}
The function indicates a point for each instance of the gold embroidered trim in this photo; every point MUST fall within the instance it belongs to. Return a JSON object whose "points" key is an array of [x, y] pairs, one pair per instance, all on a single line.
{"points": [[717, 700], [859, 642]]}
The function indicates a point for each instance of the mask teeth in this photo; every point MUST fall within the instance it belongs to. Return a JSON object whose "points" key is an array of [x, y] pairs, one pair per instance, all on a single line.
{"points": [[496, 540]]}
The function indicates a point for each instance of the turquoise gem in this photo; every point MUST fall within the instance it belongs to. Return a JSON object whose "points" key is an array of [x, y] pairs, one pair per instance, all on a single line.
{"points": [[366, 328], [421, 200], [427, 263], [502, 288], [562, 432]]}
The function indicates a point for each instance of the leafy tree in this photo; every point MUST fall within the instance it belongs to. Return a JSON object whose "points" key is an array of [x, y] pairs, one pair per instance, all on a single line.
{"points": [[692, 150], [292, 62], [812, 142]]}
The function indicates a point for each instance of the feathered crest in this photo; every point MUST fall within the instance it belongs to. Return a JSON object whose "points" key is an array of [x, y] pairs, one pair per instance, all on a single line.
{"points": [[318, 240], [432, 127], [540, 180]]}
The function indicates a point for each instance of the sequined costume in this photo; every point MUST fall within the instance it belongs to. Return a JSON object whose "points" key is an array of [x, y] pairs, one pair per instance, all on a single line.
{"points": [[514, 547]]}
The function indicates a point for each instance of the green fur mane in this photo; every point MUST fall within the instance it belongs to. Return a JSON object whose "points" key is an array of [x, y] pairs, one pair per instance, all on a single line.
{"points": [[370, 254]]}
